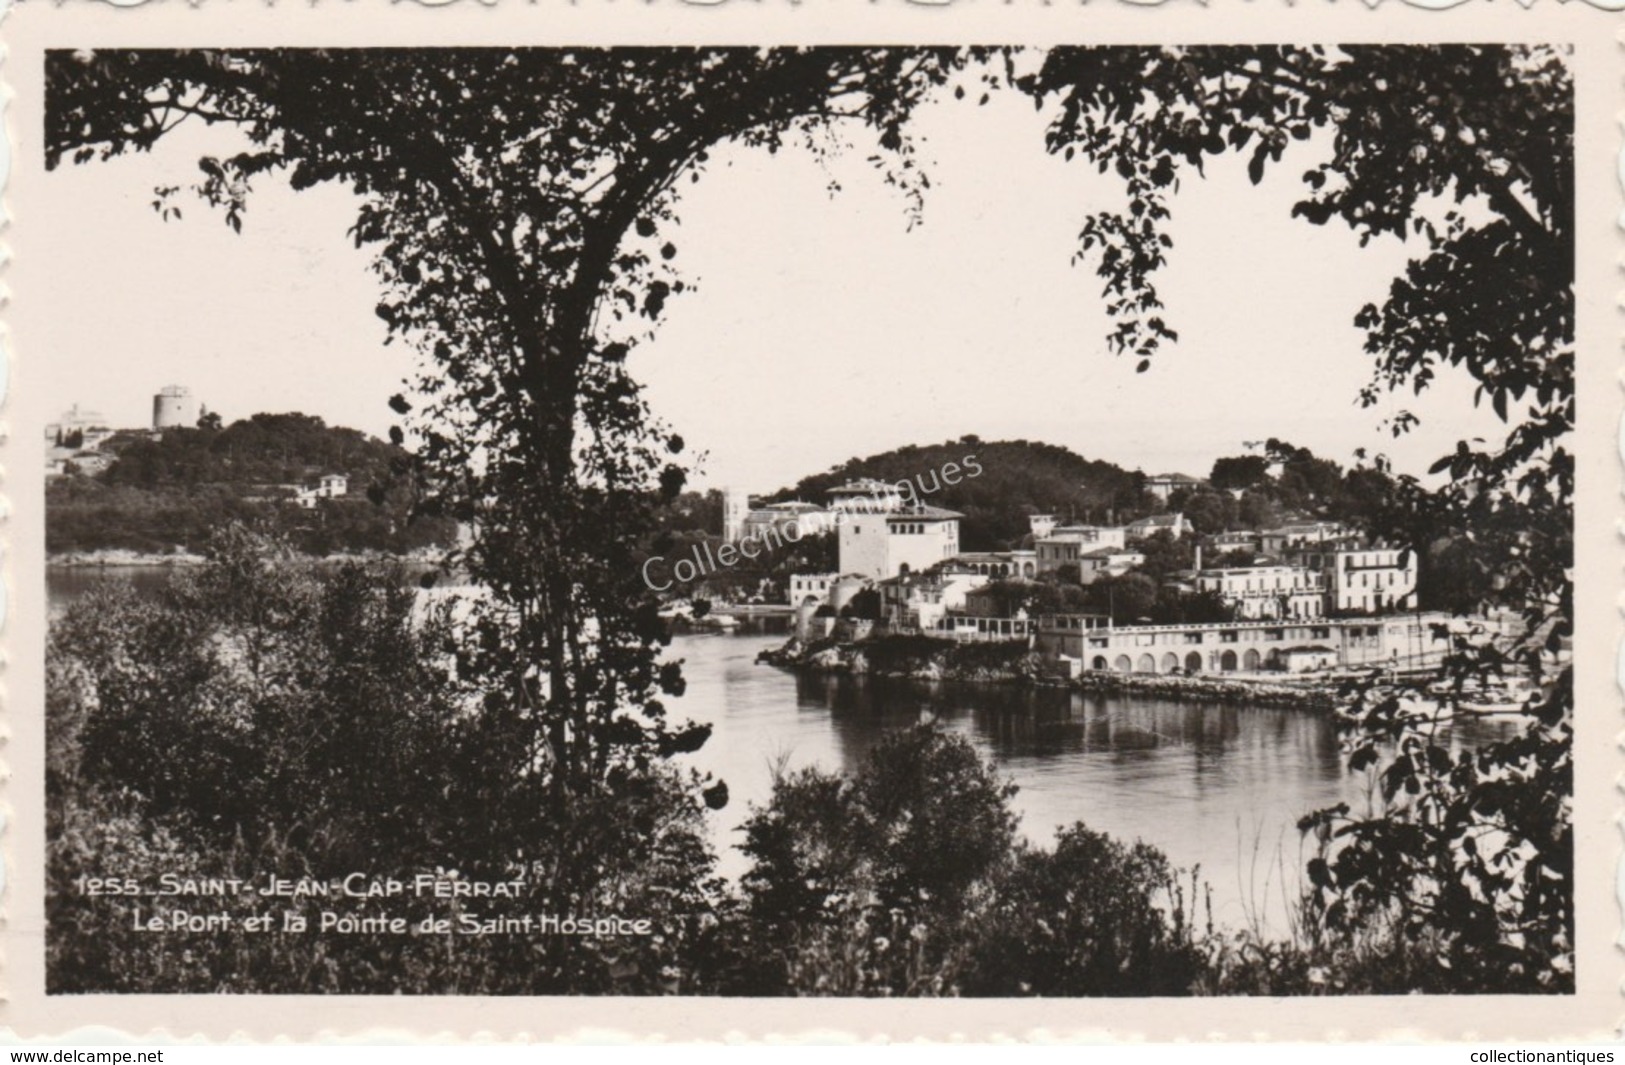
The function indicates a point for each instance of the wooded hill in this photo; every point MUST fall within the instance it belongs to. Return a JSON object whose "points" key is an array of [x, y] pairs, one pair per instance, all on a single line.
{"points": [[1017, 478], [168, 493]]}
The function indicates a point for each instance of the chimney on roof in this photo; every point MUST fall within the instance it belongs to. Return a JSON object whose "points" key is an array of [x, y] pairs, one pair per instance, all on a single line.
{"points": [[1198, 558]]}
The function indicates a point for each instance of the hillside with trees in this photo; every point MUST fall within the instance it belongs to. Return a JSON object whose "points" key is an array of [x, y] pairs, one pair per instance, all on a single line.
{"points": [[168, 493], [1021, 477], [1017, 478]]}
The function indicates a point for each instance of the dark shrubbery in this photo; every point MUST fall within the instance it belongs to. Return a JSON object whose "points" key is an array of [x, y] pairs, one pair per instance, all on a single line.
{"points": [[908, 878], [1091, 917], [265, 716]]}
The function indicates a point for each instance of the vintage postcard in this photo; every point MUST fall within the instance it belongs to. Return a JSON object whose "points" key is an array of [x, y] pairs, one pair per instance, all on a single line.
{"points": [[525, 518]]}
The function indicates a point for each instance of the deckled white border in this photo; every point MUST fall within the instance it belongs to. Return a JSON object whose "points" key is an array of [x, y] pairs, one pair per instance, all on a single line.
{"points": [[886, 1019]]}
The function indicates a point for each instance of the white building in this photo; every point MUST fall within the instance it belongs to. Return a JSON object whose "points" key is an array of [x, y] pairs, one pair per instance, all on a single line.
{"points": [[330, 486], [1174, 525], [810, 587], [1067, 544], [920, 601], [1365, 580], [1408, 641], [1261, 592], [996, 564], [879, 544], [735, 505], [1042, 525]]}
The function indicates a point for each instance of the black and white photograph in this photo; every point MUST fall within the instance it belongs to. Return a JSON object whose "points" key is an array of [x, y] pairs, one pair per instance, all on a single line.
{"points": [[870, 521]]}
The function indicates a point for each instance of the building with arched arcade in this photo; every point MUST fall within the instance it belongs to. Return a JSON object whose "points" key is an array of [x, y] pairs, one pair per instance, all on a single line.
{"points": [[997, 564], [1410, 641]]}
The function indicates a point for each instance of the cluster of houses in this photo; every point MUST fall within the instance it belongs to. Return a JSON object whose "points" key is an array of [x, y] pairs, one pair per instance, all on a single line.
{"points": [[1315, 594]]}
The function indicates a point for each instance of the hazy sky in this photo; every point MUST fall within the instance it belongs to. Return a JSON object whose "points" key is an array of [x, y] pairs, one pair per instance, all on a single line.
{"points": [[821, 328]]}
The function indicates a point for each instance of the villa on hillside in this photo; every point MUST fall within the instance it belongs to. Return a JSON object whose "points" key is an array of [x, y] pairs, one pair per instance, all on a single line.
{"points": [[1174, 525], [1163, 485]]}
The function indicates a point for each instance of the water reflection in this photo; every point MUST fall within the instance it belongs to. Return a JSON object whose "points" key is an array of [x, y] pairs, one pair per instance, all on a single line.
{"points": [[1212, 785]]}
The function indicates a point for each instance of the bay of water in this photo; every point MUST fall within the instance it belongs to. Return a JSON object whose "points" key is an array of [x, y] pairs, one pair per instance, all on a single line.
{"points": [[1215, 786]]}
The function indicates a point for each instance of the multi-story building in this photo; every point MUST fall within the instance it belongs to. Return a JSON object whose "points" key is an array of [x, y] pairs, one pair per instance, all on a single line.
{"points": [[880, 545], [1404, 642], [1067, 543], [1369, 579], [1267, 591], [329, 486], [917, 602]]}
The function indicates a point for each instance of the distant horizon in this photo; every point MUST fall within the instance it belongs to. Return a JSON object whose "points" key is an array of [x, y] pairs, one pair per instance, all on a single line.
{"points": [[754, 491], [788, 353]]}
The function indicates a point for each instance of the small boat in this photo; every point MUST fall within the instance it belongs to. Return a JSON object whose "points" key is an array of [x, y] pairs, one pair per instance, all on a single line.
{"points": [[1501, 699], [1424, 709]]}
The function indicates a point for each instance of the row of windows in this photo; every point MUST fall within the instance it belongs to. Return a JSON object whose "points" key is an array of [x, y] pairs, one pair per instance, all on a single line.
{"points": [[1152, 639], [1007, 626], [913, 528], [1392, 575], [1371, 558], [1263, 584], [1374, 602], [1264, 590]]}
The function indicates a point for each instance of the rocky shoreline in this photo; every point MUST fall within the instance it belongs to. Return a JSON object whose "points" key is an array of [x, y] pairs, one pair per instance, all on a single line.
{"points": [[916, 660], [1209, 689], [114, 557]]}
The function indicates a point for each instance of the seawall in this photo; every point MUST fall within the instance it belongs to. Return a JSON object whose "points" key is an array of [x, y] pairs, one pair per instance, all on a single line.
{"points": [[925, 659]]}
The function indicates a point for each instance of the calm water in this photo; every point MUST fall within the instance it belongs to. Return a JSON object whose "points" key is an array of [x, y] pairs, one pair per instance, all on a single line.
{"points": [[1211, 785], [1217, 786], [63, 585]]}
